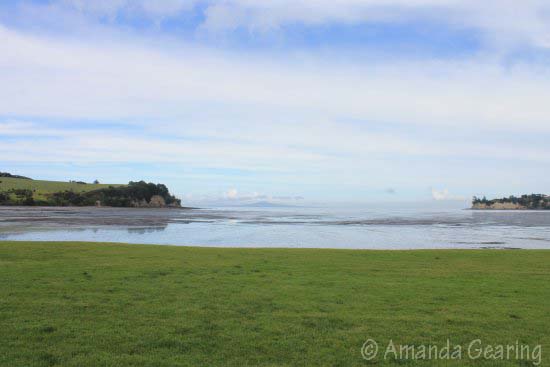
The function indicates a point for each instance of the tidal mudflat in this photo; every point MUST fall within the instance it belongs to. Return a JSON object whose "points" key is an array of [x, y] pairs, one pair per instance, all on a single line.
{"points": [[357, 228]]}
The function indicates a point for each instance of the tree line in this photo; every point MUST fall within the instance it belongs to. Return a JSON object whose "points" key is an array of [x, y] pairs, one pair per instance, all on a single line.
{"points": [[130, 195], [532, 201]]}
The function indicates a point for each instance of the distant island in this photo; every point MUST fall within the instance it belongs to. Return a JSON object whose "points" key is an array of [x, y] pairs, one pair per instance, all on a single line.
{"points": [[524, 202], [20, 190], [266, 204]]}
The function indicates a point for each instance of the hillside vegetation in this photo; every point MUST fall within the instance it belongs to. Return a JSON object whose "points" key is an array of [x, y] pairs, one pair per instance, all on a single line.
{"points": [[84, 304], [24, 191], [41, 188], [525, 202]]}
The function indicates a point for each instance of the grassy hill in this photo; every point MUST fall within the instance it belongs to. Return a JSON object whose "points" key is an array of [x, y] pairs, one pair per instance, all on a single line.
{"points": [[27, 192], [42, 188]]}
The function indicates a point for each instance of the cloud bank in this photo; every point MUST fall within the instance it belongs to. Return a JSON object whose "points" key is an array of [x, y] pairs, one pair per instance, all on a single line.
{"points": [[330, 122], [503, 22]]}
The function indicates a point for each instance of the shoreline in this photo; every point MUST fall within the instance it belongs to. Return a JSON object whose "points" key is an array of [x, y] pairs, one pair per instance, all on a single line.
{"points": [[260, 248], [508, 209], [99, 207]]}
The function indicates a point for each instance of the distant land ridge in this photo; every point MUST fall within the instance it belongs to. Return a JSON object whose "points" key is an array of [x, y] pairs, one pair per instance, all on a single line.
{"points": [[20, 190], [6, 174], [524, 202]]}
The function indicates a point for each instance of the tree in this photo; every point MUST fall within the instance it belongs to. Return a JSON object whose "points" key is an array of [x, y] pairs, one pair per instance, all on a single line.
{"points": [[96, 182]]}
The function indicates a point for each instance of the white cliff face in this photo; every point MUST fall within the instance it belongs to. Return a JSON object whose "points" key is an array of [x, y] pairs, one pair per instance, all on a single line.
{"points": [[156, 201], [498, 206]]}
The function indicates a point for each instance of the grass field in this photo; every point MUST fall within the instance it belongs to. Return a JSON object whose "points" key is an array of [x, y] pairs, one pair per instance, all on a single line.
{"points": [[42, 188], [82, 304]]}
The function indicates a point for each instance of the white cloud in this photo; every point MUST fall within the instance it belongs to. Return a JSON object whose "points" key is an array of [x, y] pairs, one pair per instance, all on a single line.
{"points": [[297, 120], [440, 195], [201, 108], [48, 77], [234, 197], [269, 15], [15, 128], [111, 8], [501, 21], [231, 194]]}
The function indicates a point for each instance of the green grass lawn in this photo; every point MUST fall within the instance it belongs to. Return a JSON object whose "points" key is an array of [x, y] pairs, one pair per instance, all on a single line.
{"points": [[83, 304], [42, 188]]}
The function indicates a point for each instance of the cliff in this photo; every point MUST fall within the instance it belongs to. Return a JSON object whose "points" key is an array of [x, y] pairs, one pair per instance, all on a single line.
{"points": [[523, 202], [156, 201], [498, 206]]}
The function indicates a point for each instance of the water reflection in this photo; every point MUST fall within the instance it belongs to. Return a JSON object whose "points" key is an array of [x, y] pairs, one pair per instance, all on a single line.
{"points": [[144, 230]]}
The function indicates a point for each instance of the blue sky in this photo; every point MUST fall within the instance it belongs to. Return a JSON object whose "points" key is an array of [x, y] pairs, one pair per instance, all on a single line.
{"points": [[299, 101]]}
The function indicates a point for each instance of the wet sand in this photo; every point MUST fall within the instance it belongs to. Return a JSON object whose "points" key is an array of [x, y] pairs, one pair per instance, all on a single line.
{"points": [[12, 218]]}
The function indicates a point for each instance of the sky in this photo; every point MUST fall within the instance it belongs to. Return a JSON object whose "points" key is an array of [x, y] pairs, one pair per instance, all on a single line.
{"points": [[280, 100]]}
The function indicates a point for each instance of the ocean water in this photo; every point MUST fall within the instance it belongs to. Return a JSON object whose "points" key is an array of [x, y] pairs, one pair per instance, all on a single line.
{"points": [[315, 227]]}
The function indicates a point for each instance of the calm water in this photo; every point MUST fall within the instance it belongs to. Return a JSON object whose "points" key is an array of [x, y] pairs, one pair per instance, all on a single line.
{"points": [[283, 227]]}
